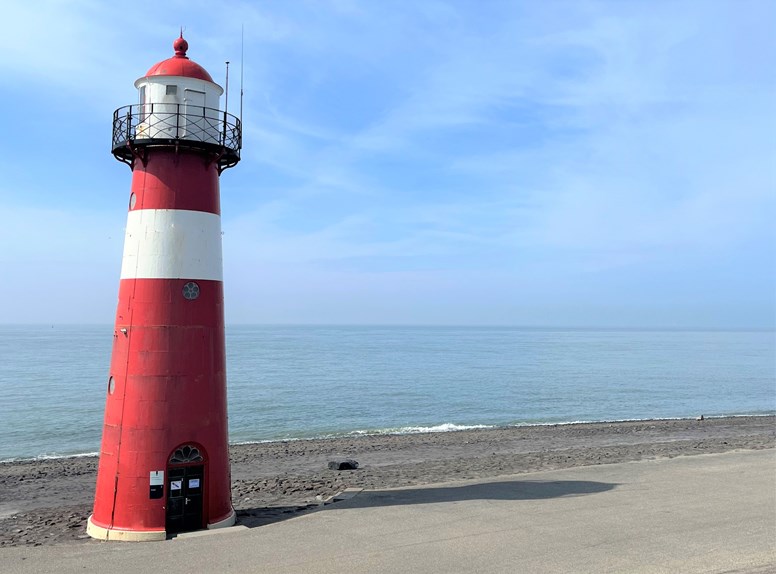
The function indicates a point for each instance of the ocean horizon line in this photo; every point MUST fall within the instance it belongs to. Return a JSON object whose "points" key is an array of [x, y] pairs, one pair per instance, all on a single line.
{"points": [[517, 327]]}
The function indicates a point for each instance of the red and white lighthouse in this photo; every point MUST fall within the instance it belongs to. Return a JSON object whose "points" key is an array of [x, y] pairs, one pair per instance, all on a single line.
{"points": [[164, 459]]}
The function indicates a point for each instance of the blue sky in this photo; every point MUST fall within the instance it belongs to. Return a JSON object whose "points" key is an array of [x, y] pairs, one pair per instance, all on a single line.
{"points": [[603, 164]]}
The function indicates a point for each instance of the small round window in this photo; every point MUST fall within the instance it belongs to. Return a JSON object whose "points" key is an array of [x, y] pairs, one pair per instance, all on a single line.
{"points": [[111, 386], [190, 291], [132, 201]]}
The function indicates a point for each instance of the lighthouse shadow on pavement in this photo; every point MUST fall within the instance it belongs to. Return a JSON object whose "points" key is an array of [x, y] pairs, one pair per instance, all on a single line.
{"points": [[510, 490], [502, 490], [261, 516]]}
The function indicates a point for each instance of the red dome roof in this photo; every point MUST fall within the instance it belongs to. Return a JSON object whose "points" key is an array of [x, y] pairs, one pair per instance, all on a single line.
{"points": [[179, 64]]}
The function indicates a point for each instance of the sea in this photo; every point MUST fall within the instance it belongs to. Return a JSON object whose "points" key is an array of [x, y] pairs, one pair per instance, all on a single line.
{"points": [[298, 382]]}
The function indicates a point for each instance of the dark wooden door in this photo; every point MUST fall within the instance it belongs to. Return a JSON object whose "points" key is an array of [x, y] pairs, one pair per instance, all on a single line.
{"points": [[185, 485]]}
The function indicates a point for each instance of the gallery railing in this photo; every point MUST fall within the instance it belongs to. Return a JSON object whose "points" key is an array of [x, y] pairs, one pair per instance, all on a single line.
{"points": [[137, 127]]}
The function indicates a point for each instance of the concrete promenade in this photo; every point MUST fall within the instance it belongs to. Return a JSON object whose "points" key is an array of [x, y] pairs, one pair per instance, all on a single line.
{"points": [[706, 513]]}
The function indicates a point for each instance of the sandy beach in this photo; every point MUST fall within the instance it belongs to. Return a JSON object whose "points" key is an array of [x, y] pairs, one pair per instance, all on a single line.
{"points": [[44, 502]]}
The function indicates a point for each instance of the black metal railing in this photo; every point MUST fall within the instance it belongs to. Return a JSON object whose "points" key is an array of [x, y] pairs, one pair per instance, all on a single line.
{"points": [[181, 125]]}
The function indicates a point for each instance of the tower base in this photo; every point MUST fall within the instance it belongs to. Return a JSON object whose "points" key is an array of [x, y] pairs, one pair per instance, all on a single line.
{"points": [[225, 523], [101, 533], [116, 534]]}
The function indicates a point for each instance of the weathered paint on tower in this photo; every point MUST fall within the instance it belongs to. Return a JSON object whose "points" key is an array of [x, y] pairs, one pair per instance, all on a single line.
{"points": [[164, 460]]}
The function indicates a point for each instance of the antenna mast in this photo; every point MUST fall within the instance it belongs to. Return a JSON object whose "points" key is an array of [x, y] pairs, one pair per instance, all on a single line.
{"points": [[242, 67], [226, 104]]}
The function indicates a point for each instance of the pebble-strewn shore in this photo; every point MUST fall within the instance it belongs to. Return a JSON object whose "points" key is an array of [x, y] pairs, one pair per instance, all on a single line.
{"points": [[48, 501]]}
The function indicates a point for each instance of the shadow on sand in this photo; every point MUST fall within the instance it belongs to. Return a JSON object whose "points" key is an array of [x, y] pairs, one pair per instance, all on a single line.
{"points": [[504, 490]]}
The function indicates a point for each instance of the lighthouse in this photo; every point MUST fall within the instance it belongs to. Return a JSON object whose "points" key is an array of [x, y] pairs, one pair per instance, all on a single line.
{"points": [[164, 459]]}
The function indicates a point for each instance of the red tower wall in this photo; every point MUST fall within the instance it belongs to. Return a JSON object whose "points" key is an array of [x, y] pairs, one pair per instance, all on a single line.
{"points": [[168, 358]]}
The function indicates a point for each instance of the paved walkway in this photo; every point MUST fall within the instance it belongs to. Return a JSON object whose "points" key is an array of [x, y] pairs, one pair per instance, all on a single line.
{"points": [[707, 513]]}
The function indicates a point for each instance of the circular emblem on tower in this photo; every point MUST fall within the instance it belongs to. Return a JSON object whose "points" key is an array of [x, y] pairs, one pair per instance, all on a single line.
{"points": [[190, 291]]}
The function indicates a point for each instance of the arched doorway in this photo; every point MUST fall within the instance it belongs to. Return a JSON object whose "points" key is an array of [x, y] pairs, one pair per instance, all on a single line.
{"points": [[185, 489]]}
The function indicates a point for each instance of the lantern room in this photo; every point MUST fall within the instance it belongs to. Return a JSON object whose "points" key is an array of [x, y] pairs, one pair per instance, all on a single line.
{"points": [[178, 104]]}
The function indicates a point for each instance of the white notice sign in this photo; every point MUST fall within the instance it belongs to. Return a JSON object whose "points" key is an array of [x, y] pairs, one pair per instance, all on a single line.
{"points": [[157, 478], [193, 483], [175, 484]]}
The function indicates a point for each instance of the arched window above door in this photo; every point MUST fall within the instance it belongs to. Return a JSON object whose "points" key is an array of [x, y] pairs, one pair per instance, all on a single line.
{"points": [[186, 454]]}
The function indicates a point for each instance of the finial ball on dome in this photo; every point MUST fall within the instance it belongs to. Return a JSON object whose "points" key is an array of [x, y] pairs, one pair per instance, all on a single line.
{"points": [[180, 46]]}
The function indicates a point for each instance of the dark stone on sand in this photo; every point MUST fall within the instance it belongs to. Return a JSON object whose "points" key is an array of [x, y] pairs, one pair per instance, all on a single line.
{"points": [[347, 464]]}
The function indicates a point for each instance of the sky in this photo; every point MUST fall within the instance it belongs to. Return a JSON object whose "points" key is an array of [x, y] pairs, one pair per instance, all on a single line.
{"points": [[546, 164]]}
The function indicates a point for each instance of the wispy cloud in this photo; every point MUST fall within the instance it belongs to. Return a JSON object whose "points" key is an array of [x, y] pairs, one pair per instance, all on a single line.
{"points": [[621, 139]]}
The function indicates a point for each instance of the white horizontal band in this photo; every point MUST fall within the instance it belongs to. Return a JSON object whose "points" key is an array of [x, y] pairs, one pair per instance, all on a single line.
{"points": [[172, 244]]}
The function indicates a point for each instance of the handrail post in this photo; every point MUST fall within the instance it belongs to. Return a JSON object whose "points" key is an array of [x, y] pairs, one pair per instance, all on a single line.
{"points": [[129, 123], [178, 122]]}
